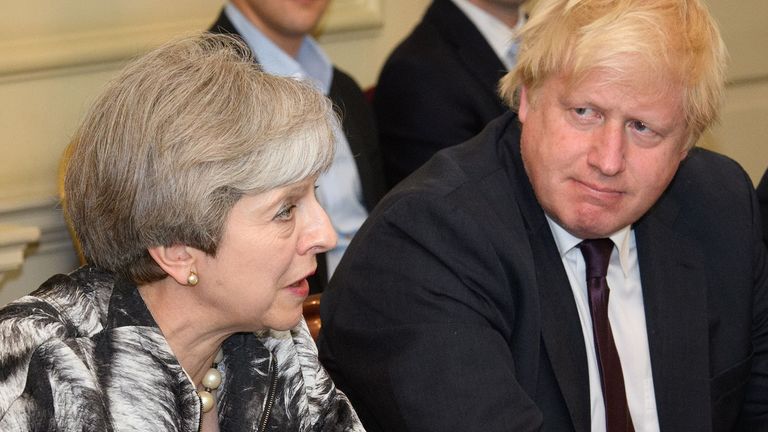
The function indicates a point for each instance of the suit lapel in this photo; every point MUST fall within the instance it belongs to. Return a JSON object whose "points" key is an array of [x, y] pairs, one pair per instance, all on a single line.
{"points": [[675, 300], [561, 331], [560, 327], [471, 47], [223, 25]]}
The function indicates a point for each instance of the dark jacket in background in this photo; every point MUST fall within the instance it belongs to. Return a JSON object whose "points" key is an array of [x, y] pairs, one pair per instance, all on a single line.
{"points": [[762, 197], [437, 89]]}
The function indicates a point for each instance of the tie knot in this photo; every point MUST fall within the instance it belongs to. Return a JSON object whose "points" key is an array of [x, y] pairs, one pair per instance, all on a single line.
{"points": [[597, 255]]}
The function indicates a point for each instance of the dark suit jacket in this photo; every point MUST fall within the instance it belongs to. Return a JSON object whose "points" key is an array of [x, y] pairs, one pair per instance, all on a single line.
{"points": [[438, 88], [453, 311], [762, 197], [360, 129]]}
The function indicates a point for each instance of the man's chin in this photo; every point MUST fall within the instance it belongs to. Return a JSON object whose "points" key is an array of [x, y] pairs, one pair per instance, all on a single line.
{"points": [[590, 229]]}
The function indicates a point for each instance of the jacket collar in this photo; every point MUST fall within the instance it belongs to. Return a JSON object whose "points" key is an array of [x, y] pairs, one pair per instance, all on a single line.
{"points": [[675, 299], [127, 308], [471, 48]]}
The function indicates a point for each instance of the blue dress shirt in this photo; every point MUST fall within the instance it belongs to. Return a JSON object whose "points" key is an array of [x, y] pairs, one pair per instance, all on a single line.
{"points": [[340, 191]]}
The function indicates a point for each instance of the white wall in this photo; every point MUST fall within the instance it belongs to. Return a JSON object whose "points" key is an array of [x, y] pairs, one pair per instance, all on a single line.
{"points": [[55, 56]]}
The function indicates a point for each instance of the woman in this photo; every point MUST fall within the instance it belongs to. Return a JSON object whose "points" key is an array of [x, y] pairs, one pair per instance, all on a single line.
{"points": [[190, 187]]}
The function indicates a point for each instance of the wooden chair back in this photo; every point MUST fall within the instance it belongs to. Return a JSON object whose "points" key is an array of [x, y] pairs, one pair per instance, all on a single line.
{"points": [[312, 314]]}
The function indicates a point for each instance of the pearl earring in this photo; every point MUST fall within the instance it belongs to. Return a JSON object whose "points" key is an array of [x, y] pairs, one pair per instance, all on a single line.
{"points": [[192, 279]]}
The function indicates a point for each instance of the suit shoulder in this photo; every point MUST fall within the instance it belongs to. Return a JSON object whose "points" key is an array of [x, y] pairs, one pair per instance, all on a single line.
{"points": [[699, 157], [710, 171], [222, 25], [461, 168], [344, 82], [424, 54], [709, 187]]}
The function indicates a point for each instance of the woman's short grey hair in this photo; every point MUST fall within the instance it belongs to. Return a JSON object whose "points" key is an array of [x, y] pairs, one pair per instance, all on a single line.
{"points": [[176, 139]]}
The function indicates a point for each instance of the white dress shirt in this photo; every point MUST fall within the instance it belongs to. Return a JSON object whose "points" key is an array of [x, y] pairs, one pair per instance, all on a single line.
{"points": [[340, 191], [499, 35], [627, 317]]}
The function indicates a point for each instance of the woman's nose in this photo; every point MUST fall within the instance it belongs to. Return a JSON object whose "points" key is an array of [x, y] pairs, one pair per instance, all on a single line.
{"points": [[319, 235]]}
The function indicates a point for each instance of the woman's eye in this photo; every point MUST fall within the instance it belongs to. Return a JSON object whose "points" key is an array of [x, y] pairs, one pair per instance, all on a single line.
{"points": [[286, 213]]}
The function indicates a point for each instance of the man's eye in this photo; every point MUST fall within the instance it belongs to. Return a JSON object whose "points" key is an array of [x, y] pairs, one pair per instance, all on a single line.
{"points": [[584, 112], [640, 127]]}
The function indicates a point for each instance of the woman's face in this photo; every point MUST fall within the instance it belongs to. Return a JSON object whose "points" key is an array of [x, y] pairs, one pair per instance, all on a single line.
{"points": [[258, 278]]}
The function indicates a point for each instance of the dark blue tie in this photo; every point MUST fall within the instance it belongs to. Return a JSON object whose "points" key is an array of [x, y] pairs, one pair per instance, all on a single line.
{"points": [[597, 255]]}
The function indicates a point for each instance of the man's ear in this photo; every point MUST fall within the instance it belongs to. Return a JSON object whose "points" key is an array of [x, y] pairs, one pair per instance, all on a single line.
{"points": [[523, 106], [176, 260]]}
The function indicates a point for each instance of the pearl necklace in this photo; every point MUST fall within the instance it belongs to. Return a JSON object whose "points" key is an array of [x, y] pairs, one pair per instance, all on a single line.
{"points": [[211, 381]]}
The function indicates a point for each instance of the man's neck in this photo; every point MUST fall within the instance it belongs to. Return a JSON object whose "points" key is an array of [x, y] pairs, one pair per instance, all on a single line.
{"points": [[288, 43]]}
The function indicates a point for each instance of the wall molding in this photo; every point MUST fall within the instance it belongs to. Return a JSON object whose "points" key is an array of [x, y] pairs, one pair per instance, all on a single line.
{"points": [[80, 49], [42, 213], [56, 51], [42, 247], [13, 242]]}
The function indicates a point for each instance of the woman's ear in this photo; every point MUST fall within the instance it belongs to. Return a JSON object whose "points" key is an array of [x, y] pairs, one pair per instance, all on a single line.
{"points": [[177, 261]]}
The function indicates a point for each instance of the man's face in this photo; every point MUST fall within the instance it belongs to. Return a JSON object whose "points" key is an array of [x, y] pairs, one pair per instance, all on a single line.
{"points": [[601, 153], [287, 18]]}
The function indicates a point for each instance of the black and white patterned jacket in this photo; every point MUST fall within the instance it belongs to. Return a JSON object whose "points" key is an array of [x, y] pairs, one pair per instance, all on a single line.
{"points": [[83, 353]]}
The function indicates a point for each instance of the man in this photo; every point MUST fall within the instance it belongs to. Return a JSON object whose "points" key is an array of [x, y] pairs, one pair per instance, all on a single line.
{"points": [[438, 88], [277, 31], [465, 303]]}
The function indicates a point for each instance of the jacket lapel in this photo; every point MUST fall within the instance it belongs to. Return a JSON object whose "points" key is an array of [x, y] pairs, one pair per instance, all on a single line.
{"points": [[675, 300], [560, 329], [471, 47], [132, 353], [223, 25], [249, 372]]}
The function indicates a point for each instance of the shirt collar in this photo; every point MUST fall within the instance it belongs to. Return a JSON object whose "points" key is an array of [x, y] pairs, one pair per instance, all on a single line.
{"points": [[566, 242], [310, 63], [499, 36]]}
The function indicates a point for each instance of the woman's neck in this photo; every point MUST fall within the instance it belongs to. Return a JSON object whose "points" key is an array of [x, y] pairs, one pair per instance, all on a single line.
{"points": [[182, 319]]}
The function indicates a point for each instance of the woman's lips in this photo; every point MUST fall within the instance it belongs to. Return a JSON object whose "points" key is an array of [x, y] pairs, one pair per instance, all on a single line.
{"points": [[300, 287]]}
